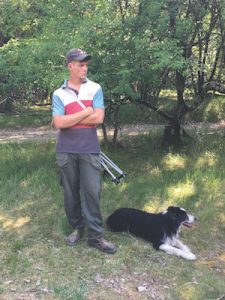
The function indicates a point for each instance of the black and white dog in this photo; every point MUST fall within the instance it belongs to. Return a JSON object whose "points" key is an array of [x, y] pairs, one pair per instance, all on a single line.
{"points": [[161, 229]]}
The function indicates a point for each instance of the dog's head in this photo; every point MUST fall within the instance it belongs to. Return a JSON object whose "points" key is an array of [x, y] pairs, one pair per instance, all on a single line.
{"points": [[180, 215]]}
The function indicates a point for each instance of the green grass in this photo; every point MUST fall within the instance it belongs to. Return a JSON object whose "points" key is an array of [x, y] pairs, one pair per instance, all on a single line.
{"points": [[35, 262], [212, 110]]}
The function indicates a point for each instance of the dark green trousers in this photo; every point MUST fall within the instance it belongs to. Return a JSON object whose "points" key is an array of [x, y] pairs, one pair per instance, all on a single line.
{"points": [[80, 176]]}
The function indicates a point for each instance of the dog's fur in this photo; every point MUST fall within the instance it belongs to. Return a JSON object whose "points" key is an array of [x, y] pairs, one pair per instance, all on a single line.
{"points": [[161, 229]]}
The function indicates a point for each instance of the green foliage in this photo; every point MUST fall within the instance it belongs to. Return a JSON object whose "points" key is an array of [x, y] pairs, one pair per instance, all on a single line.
{"points": [[137, 46], [20, 19], [122, 54], [32, 66]]}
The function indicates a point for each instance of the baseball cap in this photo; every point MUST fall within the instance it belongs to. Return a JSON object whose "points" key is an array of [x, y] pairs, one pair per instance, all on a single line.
{"points": [[77, 54]]}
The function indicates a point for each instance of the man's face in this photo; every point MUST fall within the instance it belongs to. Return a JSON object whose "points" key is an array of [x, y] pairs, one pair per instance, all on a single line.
{"points": [[78, 68]]}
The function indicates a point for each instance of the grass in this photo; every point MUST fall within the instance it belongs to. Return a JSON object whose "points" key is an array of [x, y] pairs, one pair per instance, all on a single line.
{"points": [[35, 263], [212, 110]]}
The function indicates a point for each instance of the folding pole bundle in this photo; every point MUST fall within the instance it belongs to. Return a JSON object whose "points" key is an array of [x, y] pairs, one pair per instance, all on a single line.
{"points": [[105, 161], [107, 164]]}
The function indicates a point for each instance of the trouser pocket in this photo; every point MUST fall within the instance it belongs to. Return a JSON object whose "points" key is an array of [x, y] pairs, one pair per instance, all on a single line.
{"points": [[62, 160], [95, 161]]}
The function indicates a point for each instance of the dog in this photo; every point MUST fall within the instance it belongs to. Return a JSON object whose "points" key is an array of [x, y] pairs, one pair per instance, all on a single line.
{"points": [[162, 229]]}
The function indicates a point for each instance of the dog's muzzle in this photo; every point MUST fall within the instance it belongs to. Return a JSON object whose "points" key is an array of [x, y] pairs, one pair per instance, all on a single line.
{"points": [[190, 221]]}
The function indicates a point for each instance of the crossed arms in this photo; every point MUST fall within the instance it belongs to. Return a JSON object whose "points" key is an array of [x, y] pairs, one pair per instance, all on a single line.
{"points": [[88, 116]]}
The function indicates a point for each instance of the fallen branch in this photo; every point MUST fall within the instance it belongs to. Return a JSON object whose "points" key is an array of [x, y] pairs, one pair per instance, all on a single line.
{"points": [[3, 101], [42, 104], [221, 297]]}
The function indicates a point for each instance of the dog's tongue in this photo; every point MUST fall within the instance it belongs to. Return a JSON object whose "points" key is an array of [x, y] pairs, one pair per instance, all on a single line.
{"points": [[189, 225]]}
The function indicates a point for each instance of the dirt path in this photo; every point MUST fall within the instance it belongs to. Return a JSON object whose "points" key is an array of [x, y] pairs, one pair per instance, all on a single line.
{"points": [[45, 133]]}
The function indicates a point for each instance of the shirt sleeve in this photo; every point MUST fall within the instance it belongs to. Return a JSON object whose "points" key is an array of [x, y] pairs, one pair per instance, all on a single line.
{"points": [[98, 100], [57, 106]]}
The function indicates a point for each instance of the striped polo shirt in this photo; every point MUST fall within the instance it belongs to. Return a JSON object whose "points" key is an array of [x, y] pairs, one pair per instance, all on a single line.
{"points": [[66, 101]]}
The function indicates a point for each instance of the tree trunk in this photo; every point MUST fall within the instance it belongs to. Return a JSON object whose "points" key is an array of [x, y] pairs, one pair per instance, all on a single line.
{"points": [[172, 135], [115, 134], [6, 106], [104, 131]]}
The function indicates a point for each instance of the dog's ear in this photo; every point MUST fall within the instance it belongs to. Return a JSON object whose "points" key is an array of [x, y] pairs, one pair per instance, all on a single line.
{"points": [[171, 208]]}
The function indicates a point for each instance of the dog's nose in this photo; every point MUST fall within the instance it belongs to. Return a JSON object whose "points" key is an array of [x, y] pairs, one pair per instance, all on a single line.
{"points": [[195, 219]]}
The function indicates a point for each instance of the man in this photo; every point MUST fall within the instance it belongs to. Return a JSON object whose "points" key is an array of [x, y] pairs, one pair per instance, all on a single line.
{"points": [[77, 108]]}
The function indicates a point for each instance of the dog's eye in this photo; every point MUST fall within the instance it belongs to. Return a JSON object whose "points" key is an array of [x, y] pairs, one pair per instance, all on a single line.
{"points": [[180, 214]]}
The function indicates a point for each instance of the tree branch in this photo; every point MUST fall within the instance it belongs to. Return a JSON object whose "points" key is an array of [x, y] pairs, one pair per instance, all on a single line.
{"points": [[156, 109]]}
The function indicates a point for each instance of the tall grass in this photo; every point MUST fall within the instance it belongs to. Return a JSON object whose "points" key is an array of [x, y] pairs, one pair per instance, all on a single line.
{"points": [[35, 262]]}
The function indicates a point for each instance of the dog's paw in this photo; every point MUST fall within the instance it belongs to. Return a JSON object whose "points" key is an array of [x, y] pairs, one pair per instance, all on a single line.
{"points": [[186, 249], [190, 256]]}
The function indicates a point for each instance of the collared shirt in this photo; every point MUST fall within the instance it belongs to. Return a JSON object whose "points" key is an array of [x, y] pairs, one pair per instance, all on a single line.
{"points": [[63, 98], [65, 101]]}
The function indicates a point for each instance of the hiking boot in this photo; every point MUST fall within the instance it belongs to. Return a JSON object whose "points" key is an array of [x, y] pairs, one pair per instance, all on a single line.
{"points": [[102, 245], [74, 237]]}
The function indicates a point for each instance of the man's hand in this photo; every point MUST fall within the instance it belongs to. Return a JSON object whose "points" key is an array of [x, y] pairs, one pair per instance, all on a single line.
{"points": [[67, 121], [89, 109], [94, 119]]}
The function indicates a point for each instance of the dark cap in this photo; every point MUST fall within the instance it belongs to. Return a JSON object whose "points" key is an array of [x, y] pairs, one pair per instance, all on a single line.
{"points": [[78, 55]]}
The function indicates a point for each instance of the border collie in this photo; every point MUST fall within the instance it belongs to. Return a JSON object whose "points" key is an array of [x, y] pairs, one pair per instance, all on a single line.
{"points": [[162, 229]]}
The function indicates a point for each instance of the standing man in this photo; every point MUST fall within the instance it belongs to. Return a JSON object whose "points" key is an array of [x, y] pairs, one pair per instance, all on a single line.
{"points": [[77, 108]]}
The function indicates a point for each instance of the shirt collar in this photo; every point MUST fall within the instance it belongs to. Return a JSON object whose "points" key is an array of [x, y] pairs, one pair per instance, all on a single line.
{"points": [[65, 83]]}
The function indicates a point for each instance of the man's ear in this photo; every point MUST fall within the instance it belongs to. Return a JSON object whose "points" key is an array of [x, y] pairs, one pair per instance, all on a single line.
{"points": [[69, 66]]}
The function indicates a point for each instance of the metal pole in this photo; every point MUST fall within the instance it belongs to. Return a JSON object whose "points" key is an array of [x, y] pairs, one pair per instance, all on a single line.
{"points": [[111, 163]]}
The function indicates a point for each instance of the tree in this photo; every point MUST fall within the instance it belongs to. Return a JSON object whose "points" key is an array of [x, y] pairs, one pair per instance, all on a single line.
{"points": [[139, 47], [33, 48], [19, 22], [197, 29], [152, 44]]}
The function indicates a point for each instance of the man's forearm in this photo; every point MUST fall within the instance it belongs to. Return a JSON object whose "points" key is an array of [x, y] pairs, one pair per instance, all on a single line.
{"points": [[94, 119], [67, 121]]}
